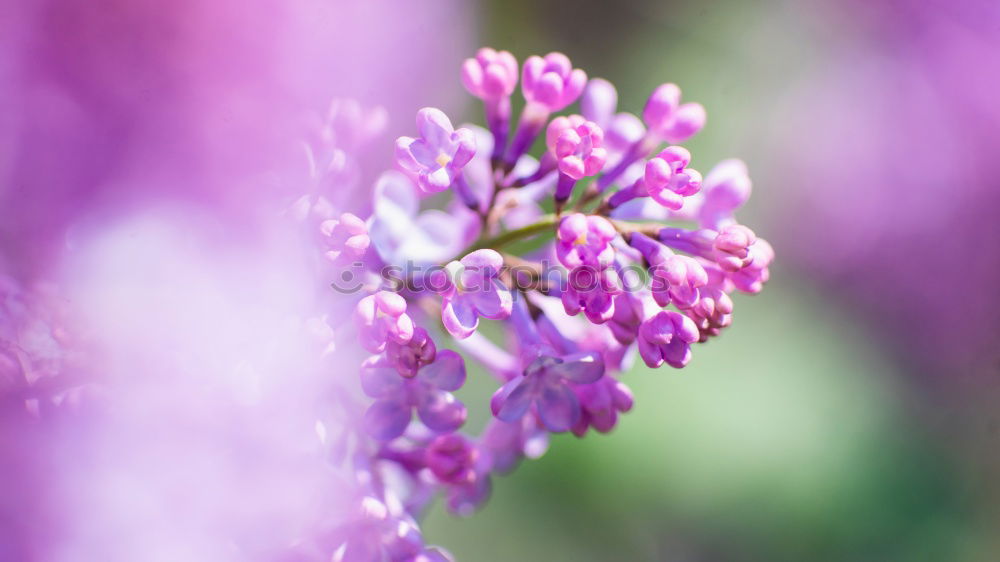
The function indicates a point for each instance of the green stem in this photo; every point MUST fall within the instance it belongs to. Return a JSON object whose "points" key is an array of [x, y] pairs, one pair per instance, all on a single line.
{"points": [[511, 236]]}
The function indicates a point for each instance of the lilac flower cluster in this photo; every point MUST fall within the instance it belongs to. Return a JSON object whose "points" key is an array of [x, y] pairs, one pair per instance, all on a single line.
{"points": [[611, 193]]}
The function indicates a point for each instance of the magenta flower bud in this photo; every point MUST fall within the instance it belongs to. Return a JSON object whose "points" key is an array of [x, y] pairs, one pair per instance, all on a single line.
{"points": [[409, 357], [380, 318], [751, 278], [437, 158], [732, 247], [666, 337], [491, 74], [471, 288], [551, 81], [585, 240], [346, 238], [579, 149], [667, 119], [492, 77], [668, 180], [452, 458]]}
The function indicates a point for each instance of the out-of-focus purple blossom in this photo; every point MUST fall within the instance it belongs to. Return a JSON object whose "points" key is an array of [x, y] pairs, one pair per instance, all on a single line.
{"points": [[381, 318], [600, 404], [471, 288], [401, 233], [346, 238], [585, 240], [429, 393], [508, 443], [463, 467], [725, 189], [438, 156], [670, 120], [380, 533]]}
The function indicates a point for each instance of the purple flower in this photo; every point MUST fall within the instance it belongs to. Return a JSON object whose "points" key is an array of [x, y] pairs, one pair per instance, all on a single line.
{"points": [[491, 74], [346, 238], [409, 357], [600, 404], [593, 292], [668, 119], [628, 315], [551, 81], [676, 278], [668, 180], [471, 288], [577, 146], [429, 393], [380, 318], [666, 337], [438, 156], [585, 240], [545, 384]]}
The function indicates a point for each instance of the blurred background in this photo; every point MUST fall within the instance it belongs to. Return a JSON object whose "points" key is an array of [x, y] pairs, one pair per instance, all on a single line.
{"points": [[849, 414]]}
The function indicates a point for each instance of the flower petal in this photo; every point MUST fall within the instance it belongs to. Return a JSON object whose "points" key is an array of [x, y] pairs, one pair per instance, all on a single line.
{"points": [[447, 372], [511, 401], [387, 419], [441, 411], [579, 367], [558, 407], [459, 317], [379, 379]]}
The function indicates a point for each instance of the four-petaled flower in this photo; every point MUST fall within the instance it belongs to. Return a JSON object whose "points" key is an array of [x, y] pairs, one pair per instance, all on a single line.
{"points": [[545, 383], [471, 288], [380, 318], [585, 240], [438, 156], [429, 393]]}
